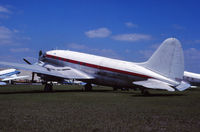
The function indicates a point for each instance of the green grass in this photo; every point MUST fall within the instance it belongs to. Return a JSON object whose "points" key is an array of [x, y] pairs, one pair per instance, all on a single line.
{"points": [[68, 108]]}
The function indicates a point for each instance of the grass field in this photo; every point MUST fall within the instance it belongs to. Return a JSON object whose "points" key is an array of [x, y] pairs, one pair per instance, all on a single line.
{"points": [[68, 108]]}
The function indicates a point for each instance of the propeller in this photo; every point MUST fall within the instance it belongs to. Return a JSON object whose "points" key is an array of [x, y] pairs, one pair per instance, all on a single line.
{"points": [[41, 58], [40, 53], [27, 61], [33, 73]]}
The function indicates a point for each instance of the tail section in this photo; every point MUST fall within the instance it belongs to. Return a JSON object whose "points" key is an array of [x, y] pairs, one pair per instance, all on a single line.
{"points": [[168, 60]]}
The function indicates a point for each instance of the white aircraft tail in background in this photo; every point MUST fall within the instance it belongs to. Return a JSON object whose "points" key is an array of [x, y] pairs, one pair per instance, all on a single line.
{"points": [[192, 78]]}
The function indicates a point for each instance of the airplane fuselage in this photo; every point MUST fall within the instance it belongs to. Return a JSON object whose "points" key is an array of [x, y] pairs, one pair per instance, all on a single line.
{"points": [[106, 71]]}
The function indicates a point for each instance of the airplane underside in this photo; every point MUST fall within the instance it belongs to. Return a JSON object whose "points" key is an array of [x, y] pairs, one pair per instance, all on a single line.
{"points": [[103, 78]]}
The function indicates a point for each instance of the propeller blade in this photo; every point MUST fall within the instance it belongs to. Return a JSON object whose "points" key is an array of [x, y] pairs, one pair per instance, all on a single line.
{"points": [[27, 61], [41, 56], [40, 53]]}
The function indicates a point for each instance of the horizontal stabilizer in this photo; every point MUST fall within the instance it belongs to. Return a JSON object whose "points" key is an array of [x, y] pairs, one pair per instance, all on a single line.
{"points": [[154, 84], [183, 86]]}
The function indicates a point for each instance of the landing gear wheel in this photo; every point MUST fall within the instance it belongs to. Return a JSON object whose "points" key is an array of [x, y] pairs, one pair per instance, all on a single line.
{"points": [[145, 92], [48, 87], [88, 87], [115, 88]]}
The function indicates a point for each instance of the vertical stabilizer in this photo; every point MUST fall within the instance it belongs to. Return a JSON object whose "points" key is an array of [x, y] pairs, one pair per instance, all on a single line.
{"points": [[168, 59]]}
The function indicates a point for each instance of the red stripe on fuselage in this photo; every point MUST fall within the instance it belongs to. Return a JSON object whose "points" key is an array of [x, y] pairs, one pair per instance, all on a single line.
{"points": [[97, 66]]}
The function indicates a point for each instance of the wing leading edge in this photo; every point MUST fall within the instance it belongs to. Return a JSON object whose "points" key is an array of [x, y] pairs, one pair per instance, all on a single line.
{"points": [[70, 73]]}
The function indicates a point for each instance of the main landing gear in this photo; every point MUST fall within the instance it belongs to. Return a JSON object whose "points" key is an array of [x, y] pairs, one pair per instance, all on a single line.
{"points": [[115, 88], [144, 92], [88, 87], [48, 87]]}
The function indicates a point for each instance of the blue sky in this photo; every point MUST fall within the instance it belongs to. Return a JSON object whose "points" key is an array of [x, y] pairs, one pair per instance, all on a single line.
{"points": [[125, 29]]}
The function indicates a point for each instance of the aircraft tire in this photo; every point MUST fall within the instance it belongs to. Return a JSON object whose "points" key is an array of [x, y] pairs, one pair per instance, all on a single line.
{"points": [[145, 92], [88, 87], [115, 88], [48, 87]]}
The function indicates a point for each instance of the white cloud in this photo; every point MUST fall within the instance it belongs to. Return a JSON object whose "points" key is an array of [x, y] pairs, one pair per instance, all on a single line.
{"points": [[76, 46], [9, 57], [95, 51], [11, 37], [20, 50], [178, 27], [3, 16], [192, 60], [4, 10], [6, 35], [193, 54], [127, 51], [131, 37], [105, 52], [146, 54], [98, 33], [131, 25], [197, 41]]}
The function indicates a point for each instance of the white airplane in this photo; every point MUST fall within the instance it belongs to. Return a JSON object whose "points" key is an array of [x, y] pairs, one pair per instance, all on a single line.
{"points": [[192, 78], [164, 70], [9, 74]]}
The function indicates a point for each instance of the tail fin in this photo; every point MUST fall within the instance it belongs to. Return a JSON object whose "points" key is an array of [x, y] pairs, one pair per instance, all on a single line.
{"points": [[168, 59]]}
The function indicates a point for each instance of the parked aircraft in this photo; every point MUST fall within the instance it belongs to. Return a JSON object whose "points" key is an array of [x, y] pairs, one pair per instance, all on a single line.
{"points": [[164, 70], [192, 78], [9, 74]]}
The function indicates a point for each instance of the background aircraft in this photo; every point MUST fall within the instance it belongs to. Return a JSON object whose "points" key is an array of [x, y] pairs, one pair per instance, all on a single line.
{"points": [[9, 74], [164, 70], [192, 78]]}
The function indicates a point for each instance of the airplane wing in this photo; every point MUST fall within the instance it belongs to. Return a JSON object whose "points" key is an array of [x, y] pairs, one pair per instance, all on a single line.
{"points": [[13, 78], [68, 73], [157, 84]]}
